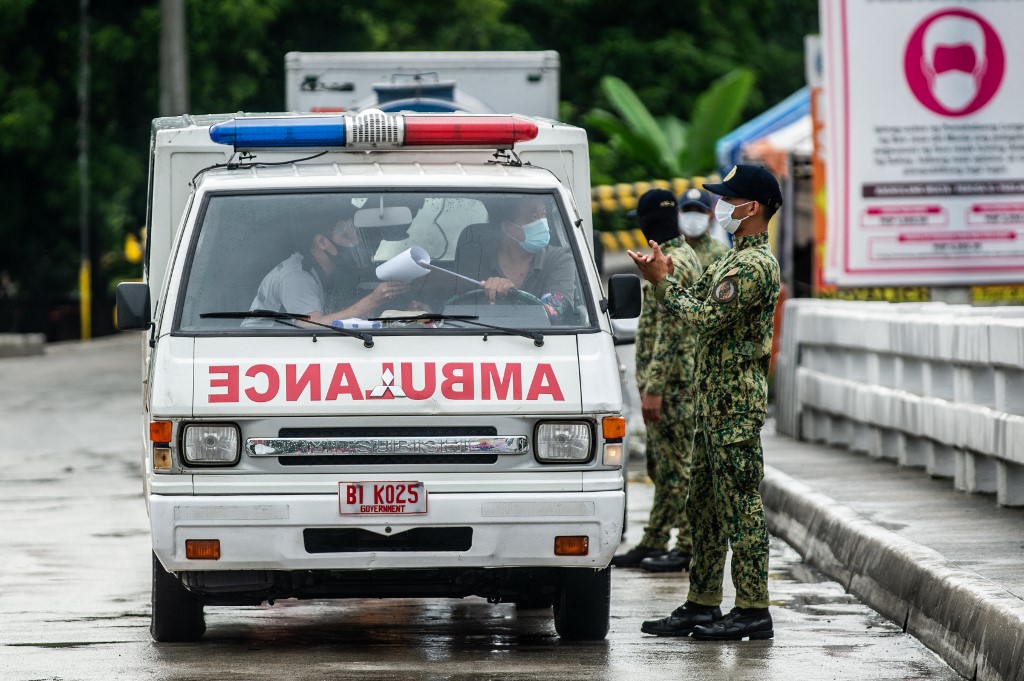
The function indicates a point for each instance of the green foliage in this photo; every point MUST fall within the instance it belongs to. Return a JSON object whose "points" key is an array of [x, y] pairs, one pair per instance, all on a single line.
{"points": [[642, 147], [669, 53]]}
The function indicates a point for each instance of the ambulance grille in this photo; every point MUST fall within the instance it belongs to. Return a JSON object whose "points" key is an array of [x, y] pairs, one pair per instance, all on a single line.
{"points": [[389, 459], [389, 431]]}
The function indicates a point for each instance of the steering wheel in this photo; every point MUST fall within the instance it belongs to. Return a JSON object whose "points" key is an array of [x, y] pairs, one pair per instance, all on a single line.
{"points": [[518, 296]]}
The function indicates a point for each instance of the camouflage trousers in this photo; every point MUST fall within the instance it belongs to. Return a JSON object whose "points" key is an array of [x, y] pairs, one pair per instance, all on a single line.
{"points": [[725, 510], [668, 465]]}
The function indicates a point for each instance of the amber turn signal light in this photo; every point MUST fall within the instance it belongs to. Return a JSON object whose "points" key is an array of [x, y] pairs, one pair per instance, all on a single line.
{"points": [[572, 546], [160, 431], [202, 549], [613, 427]]}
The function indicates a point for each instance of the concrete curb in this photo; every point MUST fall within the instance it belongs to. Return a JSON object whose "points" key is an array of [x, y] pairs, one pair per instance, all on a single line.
{"points": [[21, 344], [975, 625]]}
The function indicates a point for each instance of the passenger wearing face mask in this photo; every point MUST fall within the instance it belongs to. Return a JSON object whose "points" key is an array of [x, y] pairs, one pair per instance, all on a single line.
{"points": [[731, 308], [303, 283], [517, 254]]}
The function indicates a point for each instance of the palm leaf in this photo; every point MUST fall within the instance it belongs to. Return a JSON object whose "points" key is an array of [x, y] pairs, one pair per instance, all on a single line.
{"points": [[639, 120], [716, 113]]}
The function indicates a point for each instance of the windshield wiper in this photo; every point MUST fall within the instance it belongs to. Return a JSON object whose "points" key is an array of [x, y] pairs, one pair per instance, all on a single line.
{"points": [[536, 336], [286, 318]]}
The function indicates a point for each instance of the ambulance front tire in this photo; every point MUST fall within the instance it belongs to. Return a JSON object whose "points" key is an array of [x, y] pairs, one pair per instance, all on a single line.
{"points": [[583, 604], [177, 613]]}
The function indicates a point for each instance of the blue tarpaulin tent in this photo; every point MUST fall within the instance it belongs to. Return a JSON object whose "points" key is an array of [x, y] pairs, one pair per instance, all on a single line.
{"points": [[786, 112]]}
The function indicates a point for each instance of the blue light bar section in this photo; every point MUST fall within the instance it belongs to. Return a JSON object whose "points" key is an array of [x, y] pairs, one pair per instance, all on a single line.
{"points": [[262, 133]]}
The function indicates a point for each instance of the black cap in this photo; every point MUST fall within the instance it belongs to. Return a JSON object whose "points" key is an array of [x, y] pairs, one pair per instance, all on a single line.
{"points": [[656, 212], [748, 181], [695, 198]]}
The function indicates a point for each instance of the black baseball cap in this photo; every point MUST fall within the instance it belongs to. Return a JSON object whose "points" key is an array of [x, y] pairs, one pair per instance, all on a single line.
{"points": [[656, 213], [653, 201], [695, 198], [749, 181]]}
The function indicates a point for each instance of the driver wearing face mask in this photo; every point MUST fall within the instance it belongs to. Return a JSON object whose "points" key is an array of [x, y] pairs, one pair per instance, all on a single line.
{"points": [[303, 283], [522, 257]]}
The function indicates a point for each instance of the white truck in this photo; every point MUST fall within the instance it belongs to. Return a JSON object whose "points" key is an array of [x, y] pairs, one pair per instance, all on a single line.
{"points": [[454, 439], [474, 82]]}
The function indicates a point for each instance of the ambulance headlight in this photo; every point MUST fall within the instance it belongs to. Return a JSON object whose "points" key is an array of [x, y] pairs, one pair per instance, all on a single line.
{"points": [[212, 444], [563, 441]]}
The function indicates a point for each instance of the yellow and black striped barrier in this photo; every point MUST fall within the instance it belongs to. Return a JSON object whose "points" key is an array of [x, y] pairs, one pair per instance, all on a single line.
{"points": [[610, 198]]}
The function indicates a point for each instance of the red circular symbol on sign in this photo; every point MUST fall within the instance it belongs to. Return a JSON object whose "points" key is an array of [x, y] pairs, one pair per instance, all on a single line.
{"points": [[954, 62]]}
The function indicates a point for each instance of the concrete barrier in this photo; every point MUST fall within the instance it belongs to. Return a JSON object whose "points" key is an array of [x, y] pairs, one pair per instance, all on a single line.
{"points": [[969, 621], [21, 344], [928, 385]]}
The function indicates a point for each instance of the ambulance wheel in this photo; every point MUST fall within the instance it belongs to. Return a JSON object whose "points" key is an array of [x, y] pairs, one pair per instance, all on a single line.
{"points": [[177, 613], [583, 604]]}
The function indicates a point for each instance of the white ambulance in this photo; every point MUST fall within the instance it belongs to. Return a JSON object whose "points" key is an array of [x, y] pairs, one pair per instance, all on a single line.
{"points": [[356, 386]]}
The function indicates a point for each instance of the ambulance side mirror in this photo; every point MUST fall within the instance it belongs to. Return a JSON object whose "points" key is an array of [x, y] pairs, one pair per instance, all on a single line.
{"points": [[624, 296], [132, 305]]}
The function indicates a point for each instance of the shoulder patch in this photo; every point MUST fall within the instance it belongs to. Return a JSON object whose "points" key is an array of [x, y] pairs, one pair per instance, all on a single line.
{"points": [[725, 290]]}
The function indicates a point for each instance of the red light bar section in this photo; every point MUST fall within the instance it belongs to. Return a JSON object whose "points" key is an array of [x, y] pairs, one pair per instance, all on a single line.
{"points": [[457, 130]]}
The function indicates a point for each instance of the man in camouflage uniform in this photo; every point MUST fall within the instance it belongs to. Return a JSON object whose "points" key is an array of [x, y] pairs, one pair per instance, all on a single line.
{"points": [[664, 376], [732, 309], [694, 221]]}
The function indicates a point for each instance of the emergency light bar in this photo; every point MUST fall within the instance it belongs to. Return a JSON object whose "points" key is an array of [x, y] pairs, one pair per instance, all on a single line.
{"points": [[374, 129]]}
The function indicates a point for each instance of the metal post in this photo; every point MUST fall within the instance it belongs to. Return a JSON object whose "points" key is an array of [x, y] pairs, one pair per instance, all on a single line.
{"points": [[173, 59], [85, 269]]}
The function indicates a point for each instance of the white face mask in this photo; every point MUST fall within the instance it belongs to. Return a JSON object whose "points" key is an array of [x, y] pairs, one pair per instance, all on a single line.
{"points": [[694, 224], [724, 218]]}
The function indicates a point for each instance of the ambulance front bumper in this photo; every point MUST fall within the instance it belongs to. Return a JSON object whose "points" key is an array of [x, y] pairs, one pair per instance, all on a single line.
{"points": [[267, 532]]}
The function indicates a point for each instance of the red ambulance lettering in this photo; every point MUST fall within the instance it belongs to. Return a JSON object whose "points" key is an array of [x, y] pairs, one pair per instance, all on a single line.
{"points": [[229, 383], [429, 381], [458, 381], [511, 378], [344, 383], [273, 383], [295, 384], [544, 383]]}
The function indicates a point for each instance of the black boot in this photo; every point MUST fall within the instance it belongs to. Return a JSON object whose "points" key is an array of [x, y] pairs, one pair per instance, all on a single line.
{"points": [[636, 554], [673, 561], [683, 620], [740, 623]]}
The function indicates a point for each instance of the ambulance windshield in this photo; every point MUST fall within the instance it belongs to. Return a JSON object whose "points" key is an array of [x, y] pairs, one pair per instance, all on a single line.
{"points": [[350, 259]]}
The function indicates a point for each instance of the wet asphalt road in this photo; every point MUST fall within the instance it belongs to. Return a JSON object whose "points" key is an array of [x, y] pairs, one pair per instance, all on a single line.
{"points": [[74, 580]]}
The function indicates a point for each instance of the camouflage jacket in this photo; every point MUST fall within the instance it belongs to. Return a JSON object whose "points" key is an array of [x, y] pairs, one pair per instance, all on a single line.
{"points": [[708, 250], [664, 347], [732, 309]]}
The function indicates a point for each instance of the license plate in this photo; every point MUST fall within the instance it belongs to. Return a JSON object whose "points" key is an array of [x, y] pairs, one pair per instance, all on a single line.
{"points": [[381, 498]]}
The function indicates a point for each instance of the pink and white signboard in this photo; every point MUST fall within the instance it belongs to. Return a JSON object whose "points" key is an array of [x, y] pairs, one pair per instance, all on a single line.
{"points": [[925, 117]]}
